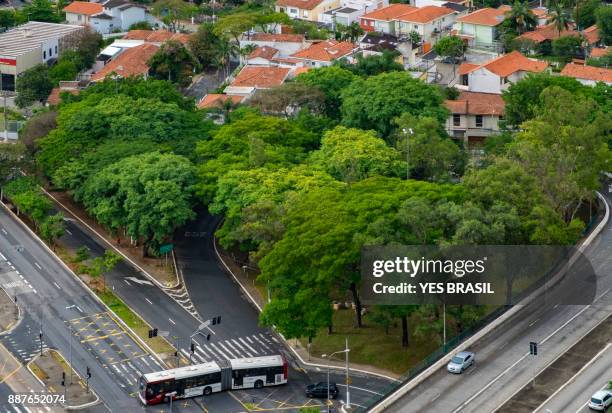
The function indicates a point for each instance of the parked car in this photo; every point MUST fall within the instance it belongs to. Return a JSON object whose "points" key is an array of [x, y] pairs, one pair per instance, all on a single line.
{"points": [[319, 390], [460, 362], [601, 400]]}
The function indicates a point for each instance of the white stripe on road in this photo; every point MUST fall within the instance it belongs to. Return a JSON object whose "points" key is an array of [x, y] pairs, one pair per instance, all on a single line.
{"points": [[172, 321], [58, 287], [68, 231], [234, 349], [148, 301], [3, 257], [37, 266], [219, 351], [4, 231], [243, 348], [361, 389], [246, 344], [228, 350]]}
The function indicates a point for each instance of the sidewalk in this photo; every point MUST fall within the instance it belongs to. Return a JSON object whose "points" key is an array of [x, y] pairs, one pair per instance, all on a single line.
{"points": [[9, 313], [247, 282], [49, 367]]}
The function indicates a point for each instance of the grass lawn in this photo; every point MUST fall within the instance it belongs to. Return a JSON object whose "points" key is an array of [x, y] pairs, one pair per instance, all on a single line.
{"points": [[140, 327], [370, 345]]}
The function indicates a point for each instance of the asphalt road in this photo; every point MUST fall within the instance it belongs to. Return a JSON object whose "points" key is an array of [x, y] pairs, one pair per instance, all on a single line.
{"points": [[576, 394], [503, 364], [213, 293]]}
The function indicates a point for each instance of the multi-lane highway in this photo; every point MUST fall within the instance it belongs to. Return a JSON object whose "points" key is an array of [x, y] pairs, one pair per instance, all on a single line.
{"points": [[503, 364]]}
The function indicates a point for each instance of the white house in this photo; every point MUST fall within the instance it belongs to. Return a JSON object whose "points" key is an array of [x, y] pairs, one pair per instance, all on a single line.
{"points": [[474, 116], [286, 44], [430, 22], [343, 15], [106, 17], [498, 74], [588, 75], [306, 9]]}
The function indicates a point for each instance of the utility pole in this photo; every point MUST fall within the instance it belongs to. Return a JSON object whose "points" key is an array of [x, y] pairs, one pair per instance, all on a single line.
{"points": [[70, 357], [444, 329], [348, 380]]}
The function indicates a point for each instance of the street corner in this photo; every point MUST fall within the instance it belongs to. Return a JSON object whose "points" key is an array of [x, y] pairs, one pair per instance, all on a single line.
{"points": [[275, 400]]}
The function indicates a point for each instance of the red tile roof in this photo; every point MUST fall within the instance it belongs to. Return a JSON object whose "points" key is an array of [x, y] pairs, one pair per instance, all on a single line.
{"points": [[425, 14], [390, 12], [260, 76], [156, 36], [507, 64], [265, 52], [84, 7], [472, 103], [597, 74], [274, 37], [548, 32], [216, 100], [325, 51], [300, 4], [600, 51], [132, 62], [466, 68], [55, 98], [591, 34], [484, 17]]}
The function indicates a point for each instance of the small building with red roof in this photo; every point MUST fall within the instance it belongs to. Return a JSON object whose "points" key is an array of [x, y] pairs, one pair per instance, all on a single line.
{"points": [[285, 43], [306, 9], [480, 28], [252, 78], [325, 52], [588, 75], [106, 16], [132, 62], [474, 116]]}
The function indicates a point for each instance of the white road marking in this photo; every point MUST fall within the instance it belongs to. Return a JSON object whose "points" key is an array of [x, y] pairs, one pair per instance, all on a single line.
{"points": [[148, 301], [4, 231], [3, 257], [219, 351], [37, 266], [228, 350], [533, 322], [126, 281], [245, 343], [68, 231], [57, 285], [172, 321]]}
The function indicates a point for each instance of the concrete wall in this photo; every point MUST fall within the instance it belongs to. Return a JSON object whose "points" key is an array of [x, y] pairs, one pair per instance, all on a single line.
{"points": [[481, 80]]}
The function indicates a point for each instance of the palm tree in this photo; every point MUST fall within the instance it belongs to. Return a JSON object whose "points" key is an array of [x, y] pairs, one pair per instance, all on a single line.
{"points": [[521, 18], [560, 17]]}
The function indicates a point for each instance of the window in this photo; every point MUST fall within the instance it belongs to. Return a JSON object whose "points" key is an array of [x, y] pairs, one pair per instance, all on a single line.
{"points": [[50, 52], [293, 11], [479, 121], [456, 119], [55, 49], [416, 27], [464, 80], [44, 55], [79, 17], [305, 13]]}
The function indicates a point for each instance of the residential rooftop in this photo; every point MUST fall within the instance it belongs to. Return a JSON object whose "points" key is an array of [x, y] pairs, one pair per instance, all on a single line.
{"points": [[425, 14], [300, 4], [261, 77], [30, 36], [84, 7], [132, 62], [473, 103], [596, 74], [506, 65], [156, 36], [325, 51], [485, 17], [277, 37], [389, 13]]}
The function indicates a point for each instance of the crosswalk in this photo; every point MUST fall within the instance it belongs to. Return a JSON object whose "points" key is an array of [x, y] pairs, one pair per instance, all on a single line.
{"points": [[11, 280], [18, 408], [128, 372], [23, 352], [254, 345]]}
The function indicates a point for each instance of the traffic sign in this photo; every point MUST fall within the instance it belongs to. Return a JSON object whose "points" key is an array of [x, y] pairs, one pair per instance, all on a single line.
{"points": [[164, 249]]}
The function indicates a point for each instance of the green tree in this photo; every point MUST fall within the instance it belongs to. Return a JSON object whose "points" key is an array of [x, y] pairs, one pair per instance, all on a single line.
{"points": [[100, 266], [64, 69], [520, 17], [172, 62], [584, 13], [52, 228], [452, 47], [233, 25], [331, 81], [172, 11], [559, 16], [41, 11], [204, 45], [12, 157], [565, 149], [431, 156], [353, 154], [567, 47], [373, 65], [143, 25], [374, 102], [603, 17], [82, 48], [288, 99], [34, 85], [149, 195], [349, 33], [8, 18]]}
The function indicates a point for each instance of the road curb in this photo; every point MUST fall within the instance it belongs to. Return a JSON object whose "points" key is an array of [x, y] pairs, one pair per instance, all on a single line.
{"points": [[295, 353], [66, 407], [89, 290], [415, 381]]}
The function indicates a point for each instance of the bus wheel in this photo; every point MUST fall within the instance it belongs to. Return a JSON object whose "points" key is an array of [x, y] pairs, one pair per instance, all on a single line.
{"points": [[207, 391], [259, 384]]}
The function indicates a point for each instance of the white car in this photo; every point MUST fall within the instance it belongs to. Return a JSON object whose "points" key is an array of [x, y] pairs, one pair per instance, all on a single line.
{"points": [[601, 400], [460, 362]]}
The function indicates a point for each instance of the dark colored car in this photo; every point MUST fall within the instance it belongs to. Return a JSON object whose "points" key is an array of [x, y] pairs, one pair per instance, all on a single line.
{"points": [[319, 390]]}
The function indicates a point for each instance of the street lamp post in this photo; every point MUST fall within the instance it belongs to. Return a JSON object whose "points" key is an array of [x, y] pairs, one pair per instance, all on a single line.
{"points": [[328, 357], [406, 132]]}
